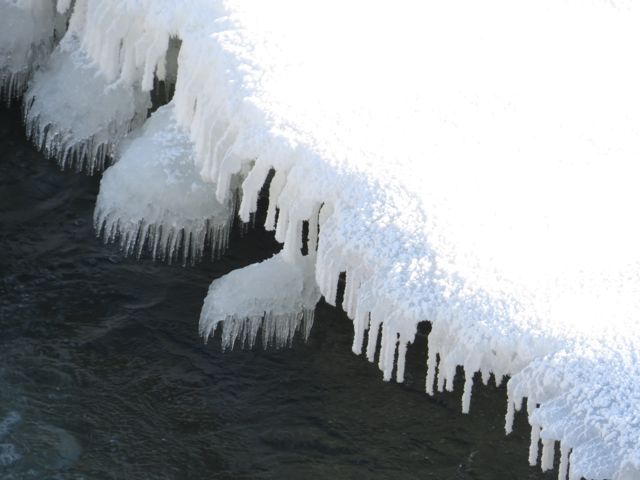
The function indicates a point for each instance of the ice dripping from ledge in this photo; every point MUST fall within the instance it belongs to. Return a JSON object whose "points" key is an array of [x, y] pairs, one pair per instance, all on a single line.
{"points": [[74, 114], [153, 197], [26, 38], [272, 299]]}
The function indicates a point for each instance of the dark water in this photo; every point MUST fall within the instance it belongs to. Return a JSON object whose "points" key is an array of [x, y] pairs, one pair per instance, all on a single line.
{"points": [[103, 375]]}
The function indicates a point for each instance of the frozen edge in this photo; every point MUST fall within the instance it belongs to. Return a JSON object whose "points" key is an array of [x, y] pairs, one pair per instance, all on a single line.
{"points": [[217, 164], [277, 296], [13, 84], [89, 155], [164, 242], [274, 330]]}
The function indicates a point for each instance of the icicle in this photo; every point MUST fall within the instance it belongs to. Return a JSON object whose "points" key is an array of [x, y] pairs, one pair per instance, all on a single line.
{"points": [[534, 445], [282, 225], [468, 387], [349, 287], [161, 69], [372, 343], [449, 376], [387, 351], [312, 242], [486, 376], [360, 323], [563, 469], [277, 184], [432, 364], [230, 163], [548, 454], [293, 239], [402, 357], [328, 273], [251, 187], [209, 162], [156, 52], [330, 289], [508, 422]]}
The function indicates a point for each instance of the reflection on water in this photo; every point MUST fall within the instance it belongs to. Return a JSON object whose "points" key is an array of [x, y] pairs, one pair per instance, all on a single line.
{"points": [[103, 375]]}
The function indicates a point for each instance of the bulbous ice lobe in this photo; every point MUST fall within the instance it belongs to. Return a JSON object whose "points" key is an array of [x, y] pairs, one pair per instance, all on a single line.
{"points": [[277, 294], [26, 38], [154, 196], [74, 114]]}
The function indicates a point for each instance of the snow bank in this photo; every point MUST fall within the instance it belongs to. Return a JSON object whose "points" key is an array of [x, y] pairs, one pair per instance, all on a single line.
{"points": [[472, 164]]}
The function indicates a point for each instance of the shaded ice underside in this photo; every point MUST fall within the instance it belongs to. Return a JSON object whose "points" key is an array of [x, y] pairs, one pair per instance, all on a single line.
{"points": [[485, 185], [176, 212], [26, 38], [97, 113], [276, 297]]}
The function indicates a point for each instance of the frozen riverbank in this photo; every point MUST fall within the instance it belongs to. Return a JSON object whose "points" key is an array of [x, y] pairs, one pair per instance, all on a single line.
{"points": [[459, 169]]}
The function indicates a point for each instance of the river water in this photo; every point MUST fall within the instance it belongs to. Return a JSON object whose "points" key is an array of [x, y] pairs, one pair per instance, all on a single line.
{"points": [[103, 374]]}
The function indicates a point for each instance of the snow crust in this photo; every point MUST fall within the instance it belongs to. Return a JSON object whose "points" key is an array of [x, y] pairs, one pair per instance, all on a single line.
{"points": [[472, 164]]}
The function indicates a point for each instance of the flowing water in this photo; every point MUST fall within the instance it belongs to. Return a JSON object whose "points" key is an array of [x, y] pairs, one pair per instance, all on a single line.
{"points": [[103, 375]]}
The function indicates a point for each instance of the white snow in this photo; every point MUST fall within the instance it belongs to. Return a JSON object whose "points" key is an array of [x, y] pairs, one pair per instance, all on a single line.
{"points": [[468, 163]]}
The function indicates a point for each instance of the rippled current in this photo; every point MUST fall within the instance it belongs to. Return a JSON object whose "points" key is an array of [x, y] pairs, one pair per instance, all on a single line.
{"points": [[103, 375]]}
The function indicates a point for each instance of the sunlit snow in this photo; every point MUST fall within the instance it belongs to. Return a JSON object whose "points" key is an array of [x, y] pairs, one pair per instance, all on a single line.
{"points": [[468, 163]]}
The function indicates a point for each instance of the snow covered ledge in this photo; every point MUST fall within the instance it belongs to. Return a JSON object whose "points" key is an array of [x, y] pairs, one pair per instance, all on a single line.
{"points": [[472, 164]]}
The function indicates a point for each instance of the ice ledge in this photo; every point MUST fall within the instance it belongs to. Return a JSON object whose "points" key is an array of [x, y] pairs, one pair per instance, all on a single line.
{"points": [[440, 191]]}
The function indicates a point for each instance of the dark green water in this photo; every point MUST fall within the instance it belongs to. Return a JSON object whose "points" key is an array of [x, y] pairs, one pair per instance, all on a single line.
{"points": [[103, 375]]}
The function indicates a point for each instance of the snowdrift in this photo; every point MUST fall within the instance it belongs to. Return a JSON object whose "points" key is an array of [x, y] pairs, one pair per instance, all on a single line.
{"points": [[470, 164]]}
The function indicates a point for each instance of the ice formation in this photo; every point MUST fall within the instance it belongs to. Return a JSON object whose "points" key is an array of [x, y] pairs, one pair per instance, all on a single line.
{"points": [[471, 164], [98, 113], [99, 109], [276, 297], [176, 213], [26, 38]]}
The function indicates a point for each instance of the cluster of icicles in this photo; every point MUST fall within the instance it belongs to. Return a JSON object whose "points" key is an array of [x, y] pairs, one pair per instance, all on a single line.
{"points": [[180, 176]]}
